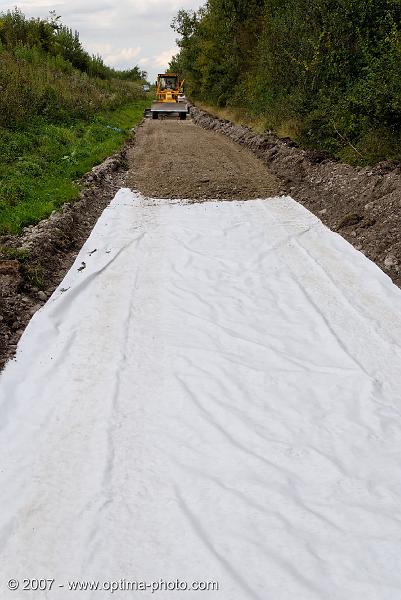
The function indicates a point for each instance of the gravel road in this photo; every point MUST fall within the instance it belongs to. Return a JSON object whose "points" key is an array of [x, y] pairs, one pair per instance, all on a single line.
{"points": [[177, 159]]}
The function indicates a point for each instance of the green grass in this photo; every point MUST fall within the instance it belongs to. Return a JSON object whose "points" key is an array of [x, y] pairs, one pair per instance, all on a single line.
{"points": [[40, 165]]}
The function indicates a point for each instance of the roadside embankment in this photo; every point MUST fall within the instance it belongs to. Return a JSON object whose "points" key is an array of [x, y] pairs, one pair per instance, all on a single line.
{"points": [[41, 162], [33, 263], [363, 204]]}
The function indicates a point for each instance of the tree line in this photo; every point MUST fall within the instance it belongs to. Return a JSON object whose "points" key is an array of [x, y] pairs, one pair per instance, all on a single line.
{"points": [[328, 71], [53, 38], [46, 72]]}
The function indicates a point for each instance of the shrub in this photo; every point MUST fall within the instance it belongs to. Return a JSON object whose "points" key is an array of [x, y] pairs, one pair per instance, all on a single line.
{"points": [[333, 67]]}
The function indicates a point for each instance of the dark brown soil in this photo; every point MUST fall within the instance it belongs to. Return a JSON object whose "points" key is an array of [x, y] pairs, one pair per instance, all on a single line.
{"points": [[33, 264], [362, 204], [177, 159]]}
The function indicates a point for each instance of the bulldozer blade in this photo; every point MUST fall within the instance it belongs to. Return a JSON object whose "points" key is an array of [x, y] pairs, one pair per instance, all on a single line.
{"points": [[168, 108]]}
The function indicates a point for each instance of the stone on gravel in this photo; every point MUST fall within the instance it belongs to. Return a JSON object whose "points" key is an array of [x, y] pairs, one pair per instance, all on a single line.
{"points": [[390, 261]]}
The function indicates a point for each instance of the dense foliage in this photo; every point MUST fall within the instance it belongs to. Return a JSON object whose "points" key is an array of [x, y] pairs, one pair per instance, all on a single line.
{"points": [[61, 111], [44, 70], [329, 71]]}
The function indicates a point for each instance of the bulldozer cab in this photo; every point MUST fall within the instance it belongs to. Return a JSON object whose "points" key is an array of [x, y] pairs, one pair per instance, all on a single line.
{"points": [[168, 82]]}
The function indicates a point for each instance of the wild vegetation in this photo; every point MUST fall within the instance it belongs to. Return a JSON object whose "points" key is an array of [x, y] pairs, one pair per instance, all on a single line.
{"points": [[327, 73], [61, 111]]}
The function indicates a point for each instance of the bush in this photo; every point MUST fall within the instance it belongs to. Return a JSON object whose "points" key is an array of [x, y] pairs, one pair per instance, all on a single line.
{"points": [[333, 67], [31, 87], [44, 70], [54, 98]]}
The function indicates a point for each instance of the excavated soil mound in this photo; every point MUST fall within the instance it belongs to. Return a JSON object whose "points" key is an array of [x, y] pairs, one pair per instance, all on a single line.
{"points": [[177, 159], [362, 204]]}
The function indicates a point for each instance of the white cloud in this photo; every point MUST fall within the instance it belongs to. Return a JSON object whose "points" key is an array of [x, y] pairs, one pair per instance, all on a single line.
{"points": [[162, 59], [122, 57], [101, 49], [103, 19], [124, 33], [29, 5]]}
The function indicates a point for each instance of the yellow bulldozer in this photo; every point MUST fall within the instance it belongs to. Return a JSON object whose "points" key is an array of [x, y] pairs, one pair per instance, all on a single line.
{"points": [[169, 100]]}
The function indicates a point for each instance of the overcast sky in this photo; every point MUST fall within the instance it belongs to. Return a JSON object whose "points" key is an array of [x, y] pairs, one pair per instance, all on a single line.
{"points": [[124, 33]]}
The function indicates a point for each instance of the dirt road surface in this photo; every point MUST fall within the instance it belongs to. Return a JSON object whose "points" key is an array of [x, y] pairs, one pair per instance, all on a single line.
{"points": [[177, 159]]}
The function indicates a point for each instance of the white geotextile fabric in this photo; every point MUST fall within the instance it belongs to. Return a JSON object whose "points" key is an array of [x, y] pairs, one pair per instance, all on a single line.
{"points": [[216, 396]]}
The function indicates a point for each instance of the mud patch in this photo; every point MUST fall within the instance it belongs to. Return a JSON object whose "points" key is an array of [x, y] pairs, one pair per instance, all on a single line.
{"points": [[33, 264], [177, 159], [362, 204]]}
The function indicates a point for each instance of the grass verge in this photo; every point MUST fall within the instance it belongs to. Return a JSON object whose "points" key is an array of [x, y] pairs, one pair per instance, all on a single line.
{"points": [[260, 124], [40, 165]]}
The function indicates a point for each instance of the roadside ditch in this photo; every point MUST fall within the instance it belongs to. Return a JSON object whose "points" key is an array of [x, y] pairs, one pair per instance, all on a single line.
{"points": [[33, 264]]}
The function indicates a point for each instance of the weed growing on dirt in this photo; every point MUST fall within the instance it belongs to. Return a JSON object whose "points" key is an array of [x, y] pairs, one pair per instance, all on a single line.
{"points": [[20, 254]]}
